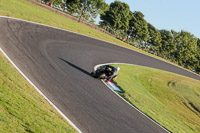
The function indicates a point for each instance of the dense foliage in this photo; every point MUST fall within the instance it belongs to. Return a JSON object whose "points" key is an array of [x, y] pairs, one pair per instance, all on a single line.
{"points": [[86, 9], [116, 19], [138, 27]]}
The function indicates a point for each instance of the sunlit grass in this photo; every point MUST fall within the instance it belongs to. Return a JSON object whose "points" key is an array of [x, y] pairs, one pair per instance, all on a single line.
{"points": [[170, 99], [22, 108]]}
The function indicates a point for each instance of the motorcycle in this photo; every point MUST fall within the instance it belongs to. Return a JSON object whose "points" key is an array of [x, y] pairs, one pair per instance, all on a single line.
{"points": [[102, 72]]}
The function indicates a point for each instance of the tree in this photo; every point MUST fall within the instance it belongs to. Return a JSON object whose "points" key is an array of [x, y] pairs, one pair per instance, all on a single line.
{"points": [[154, 37], [117, 17], [186, 45], [92, 8], [198, 43], [168, 46], [86, 9], [54, 1], [138, 27], [58, 2], [74, 6], [197, 65]]}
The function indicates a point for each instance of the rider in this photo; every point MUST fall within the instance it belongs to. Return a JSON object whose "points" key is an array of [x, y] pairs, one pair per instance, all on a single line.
{"points": [[111, 73]]}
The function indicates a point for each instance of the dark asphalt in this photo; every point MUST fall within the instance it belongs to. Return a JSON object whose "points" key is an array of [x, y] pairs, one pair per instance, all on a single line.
{"points": [[59, 62]]}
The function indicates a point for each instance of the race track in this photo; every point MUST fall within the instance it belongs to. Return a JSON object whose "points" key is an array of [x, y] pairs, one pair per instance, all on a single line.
{"points": [[58, 62]]}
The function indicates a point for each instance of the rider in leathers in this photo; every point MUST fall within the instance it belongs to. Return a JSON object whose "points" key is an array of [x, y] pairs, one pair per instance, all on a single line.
{"points": [[111, 73]]}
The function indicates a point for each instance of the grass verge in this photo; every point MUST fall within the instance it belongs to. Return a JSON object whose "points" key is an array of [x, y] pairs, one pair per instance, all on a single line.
{"points": [[22, 108], [170, 99]]}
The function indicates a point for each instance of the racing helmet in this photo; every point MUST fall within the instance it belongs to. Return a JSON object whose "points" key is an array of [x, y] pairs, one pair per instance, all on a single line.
{"points": [[118, 68]]}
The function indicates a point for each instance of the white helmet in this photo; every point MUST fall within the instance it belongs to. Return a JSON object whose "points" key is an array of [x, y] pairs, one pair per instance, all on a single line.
{"points": [[118, 68]]}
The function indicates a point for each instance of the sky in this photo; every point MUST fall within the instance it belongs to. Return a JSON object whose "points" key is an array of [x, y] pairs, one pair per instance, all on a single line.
{"points": [[169, 14]]}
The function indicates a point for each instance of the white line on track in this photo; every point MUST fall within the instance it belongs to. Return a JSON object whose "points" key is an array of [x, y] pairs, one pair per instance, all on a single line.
{"points": [[95, 68], [40, 92]]}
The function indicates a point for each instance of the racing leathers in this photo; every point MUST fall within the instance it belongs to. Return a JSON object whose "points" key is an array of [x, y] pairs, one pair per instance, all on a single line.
{"points": [[111, 72]]}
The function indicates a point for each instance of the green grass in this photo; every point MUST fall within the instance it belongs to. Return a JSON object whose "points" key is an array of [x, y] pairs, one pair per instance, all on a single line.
{"points": [[170, 99], [22, 108]]}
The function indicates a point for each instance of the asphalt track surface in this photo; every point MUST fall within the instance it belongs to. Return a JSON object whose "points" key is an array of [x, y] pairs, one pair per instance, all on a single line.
{"points": [[59, 62]]}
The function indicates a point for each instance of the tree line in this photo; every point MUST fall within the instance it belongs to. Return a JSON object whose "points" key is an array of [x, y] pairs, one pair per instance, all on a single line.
{"points": [[182, 47]]}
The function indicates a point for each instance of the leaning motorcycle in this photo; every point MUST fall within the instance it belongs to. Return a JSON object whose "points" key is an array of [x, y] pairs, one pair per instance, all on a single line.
{"points": [[101, 73]]}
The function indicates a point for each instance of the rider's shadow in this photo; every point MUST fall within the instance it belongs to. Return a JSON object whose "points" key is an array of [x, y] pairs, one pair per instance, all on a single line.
{"points": [[76, 67]]}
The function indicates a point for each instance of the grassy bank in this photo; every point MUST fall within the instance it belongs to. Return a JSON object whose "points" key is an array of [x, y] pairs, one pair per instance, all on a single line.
{"points": [[22, 108], [171, 100]]}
